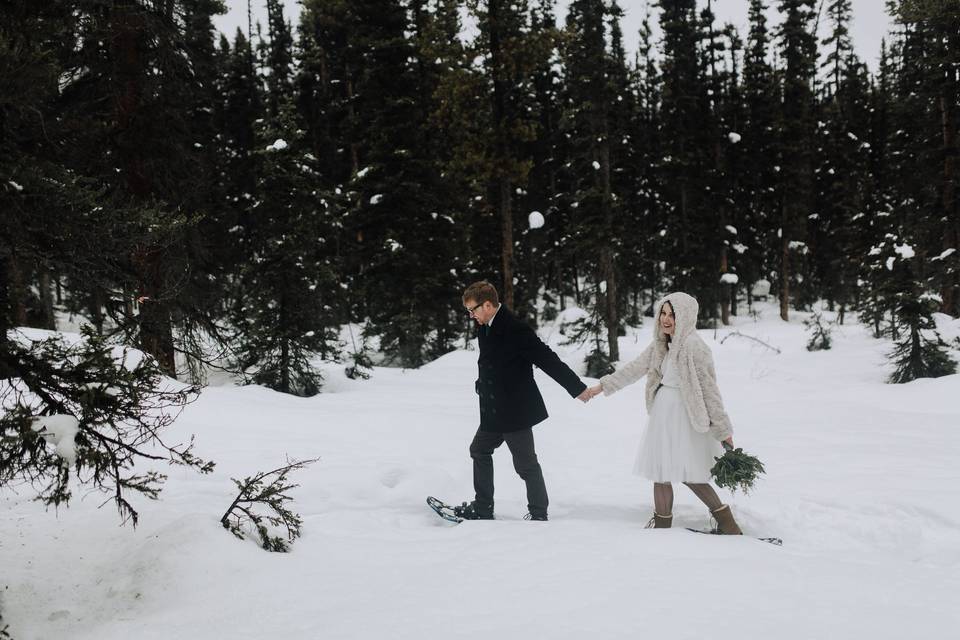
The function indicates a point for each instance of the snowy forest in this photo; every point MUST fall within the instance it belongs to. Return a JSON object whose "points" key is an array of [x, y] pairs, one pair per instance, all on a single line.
{"points": [[299, 199], [202, 198]]}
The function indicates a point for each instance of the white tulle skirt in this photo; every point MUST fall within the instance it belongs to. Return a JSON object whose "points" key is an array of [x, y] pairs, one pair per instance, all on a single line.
{"points": [[671, 450]]}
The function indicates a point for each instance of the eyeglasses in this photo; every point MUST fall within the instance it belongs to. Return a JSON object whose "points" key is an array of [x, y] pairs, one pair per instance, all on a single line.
{"points": [[473, 308]]}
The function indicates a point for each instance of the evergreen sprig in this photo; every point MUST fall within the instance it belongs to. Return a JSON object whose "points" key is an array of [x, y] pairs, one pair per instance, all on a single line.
{"points": [[266, 490], [736, 469]]}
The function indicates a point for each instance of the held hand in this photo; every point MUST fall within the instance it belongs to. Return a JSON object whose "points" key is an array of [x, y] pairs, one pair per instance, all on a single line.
{"points": [[589, 393]]}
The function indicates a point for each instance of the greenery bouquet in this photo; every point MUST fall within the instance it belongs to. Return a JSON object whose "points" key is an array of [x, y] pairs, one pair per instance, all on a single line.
{"points": [[736, 469]]}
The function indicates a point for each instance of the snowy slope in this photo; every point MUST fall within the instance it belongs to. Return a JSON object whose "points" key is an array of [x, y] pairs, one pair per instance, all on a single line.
{"points": [[862, 485]]}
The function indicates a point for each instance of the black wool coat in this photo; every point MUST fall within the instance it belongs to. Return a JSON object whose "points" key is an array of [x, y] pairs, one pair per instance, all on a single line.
{"points": [[509, 397]]}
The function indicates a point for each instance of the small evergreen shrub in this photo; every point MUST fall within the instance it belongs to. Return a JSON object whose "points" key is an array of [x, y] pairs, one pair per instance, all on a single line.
{"points": [[919, 352], [598, 363], [262, 504], [819, 333]]}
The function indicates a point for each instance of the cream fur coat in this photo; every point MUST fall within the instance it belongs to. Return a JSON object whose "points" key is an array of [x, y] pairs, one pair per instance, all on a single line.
{"points": [[698, 380]]}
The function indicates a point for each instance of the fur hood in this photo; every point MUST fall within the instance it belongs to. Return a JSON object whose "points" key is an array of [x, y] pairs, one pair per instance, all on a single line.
{"points": [[685, 310], [698, 378]]}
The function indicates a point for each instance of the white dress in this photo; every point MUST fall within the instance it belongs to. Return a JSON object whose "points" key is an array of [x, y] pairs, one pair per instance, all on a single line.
{"points": [[671, 449]]}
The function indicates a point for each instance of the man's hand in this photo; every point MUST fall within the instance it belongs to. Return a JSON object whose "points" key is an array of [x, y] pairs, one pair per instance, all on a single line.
{"points": [[589, 393]]}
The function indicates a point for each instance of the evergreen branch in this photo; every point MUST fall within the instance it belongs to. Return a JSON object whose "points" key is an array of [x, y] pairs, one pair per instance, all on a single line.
{"points": [[119, 409], [273, 497]]}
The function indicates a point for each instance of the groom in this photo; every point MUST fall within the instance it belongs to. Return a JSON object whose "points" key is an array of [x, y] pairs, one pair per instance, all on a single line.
{"points": [[510, 402]]}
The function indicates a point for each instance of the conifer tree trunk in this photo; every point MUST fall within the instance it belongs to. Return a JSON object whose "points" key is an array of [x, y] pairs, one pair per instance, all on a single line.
{"points": [[725, 289], [156, 332], [46, 299], [17, 292], [606, 254], [284, 348], [506, 231], [352, 118], [504, 194], [4, 311], [784, 280], [951, 218], [799, 52]]}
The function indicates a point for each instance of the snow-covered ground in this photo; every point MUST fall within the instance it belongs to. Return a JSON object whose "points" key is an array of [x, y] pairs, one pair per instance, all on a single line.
{"points": [[862, 485]]}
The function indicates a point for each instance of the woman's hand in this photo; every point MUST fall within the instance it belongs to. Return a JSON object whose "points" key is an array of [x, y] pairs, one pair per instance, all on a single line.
{"points": [[590, 393], [729, 441]]}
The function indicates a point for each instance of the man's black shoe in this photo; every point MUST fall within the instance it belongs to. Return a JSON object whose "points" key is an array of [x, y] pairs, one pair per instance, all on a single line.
{"points": [[473, 511], [538, 518]]}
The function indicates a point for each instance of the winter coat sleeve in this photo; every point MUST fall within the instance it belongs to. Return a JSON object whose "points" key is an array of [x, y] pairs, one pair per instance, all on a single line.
{"points": [[532, 348], [629, 373], [720, 427]]}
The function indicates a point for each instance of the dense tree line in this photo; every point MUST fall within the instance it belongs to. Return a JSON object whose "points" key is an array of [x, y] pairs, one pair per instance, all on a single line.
{"points": [[238, 201]]}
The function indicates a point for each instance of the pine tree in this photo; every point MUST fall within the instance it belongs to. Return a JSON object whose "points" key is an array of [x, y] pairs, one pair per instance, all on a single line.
{"points": [[52, 229], [798, 45], [918, 352], [692, 240], [510, 51], [879, 201], [941, 22], [152, 158], [286, 301], [440, 56], [921, 353], [643, 252], [722, 178], [398, 216], [757, 243], [595, 84], [239, 108], [626, 171], [907, 263], [201, 312], [841, 166], [284, 315], [328, 63], [278, 60], [540, 253]]}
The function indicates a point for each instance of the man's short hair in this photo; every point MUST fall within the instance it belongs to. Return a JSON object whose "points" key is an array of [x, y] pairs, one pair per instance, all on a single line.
{"points": [[481, 292]]}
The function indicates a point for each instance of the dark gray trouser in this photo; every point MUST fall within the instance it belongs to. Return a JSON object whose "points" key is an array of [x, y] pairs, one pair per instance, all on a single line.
{"points": [[525, 462]]}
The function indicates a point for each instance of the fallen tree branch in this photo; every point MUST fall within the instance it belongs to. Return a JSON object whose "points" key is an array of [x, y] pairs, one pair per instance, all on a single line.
{"points": [[266, 490], [743, 335]]}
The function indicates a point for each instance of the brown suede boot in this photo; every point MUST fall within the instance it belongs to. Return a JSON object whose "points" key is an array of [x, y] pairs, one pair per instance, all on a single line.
{"points": [[660, 522], [725, 522]]}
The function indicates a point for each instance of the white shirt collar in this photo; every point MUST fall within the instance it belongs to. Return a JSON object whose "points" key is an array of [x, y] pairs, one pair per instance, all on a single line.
{"points": [[490, 322]]}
